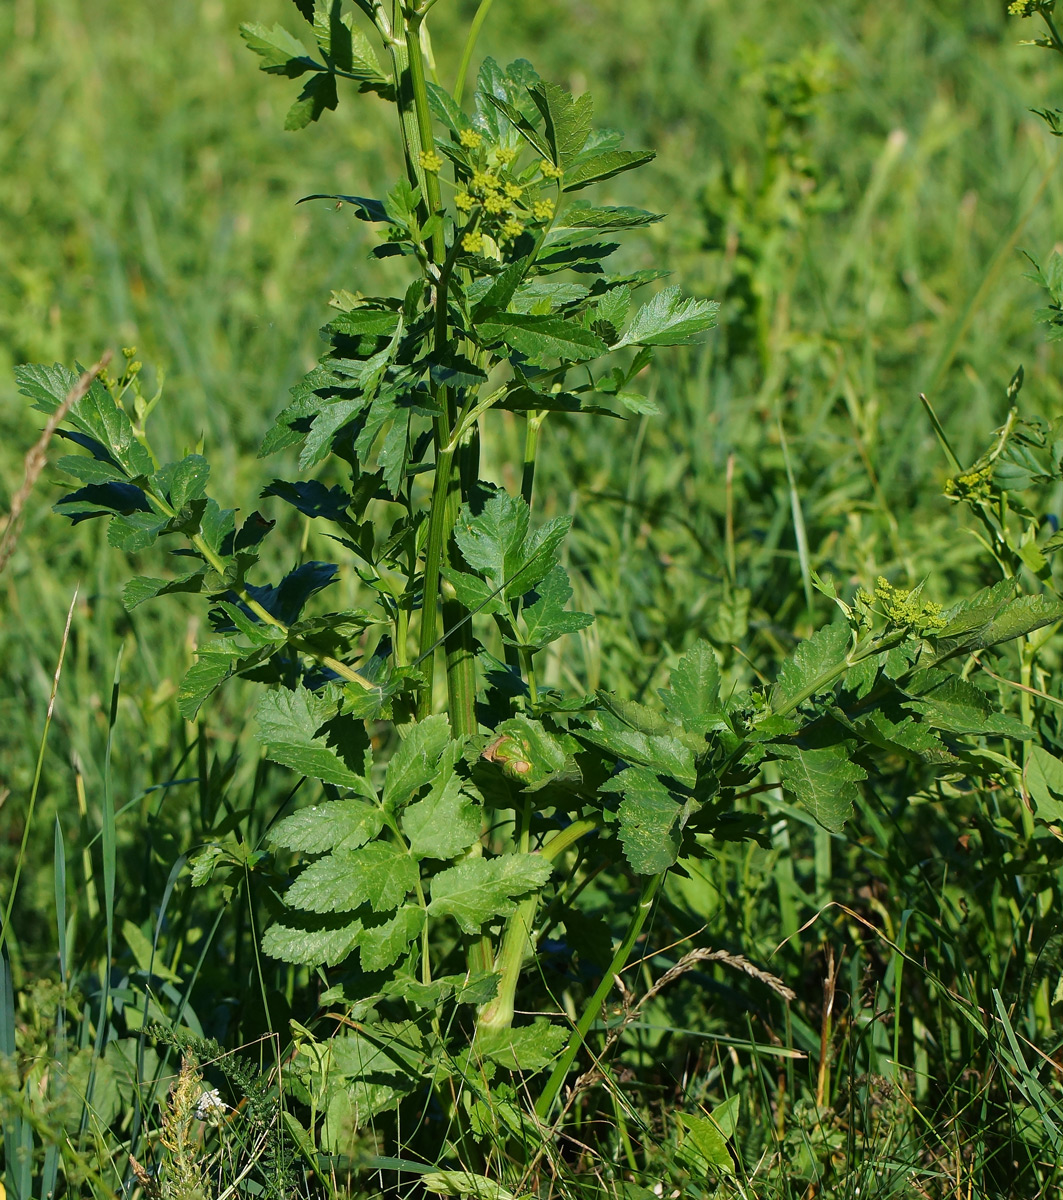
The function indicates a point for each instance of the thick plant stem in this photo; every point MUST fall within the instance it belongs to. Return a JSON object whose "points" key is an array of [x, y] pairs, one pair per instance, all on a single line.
{"points": [[594, 1007], [448, 492], [497, 1015], [438, 535], [531, 446]]}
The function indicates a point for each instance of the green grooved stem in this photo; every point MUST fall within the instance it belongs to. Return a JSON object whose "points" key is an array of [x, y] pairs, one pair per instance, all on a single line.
{"points": [[497, 1015]]}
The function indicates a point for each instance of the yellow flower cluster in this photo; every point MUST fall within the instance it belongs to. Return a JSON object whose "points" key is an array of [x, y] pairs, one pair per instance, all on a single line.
{"points": [[430, 161], [505, 210], [973, 485], [904, 608]]}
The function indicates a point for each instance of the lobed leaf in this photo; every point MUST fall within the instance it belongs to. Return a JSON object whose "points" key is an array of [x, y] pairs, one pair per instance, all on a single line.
{"points": [[823, 780], [694, 692], [669, 319], [650, 829], [813, 667], [379, 874], [484, 889], [338, 825]]}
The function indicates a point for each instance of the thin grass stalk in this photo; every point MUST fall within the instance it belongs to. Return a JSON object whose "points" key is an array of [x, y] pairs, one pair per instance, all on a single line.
{"points": [[35, 788], [38, 456]]}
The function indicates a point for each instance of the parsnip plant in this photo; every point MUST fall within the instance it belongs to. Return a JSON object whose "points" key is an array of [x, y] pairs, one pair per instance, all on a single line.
{"points": [[460, 818]]}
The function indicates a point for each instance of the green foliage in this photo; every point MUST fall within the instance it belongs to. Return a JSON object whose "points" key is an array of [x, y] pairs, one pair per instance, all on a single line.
{"points": [[468, 849]]}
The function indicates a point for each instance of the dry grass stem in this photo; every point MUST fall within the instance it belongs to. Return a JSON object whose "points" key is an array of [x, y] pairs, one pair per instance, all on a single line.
{"points": [[37, 457]]}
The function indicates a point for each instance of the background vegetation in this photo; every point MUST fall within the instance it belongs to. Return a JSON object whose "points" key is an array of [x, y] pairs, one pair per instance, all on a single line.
{"points": [[856, 183]]}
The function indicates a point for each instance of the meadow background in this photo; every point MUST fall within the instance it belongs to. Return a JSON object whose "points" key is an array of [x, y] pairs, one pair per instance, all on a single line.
{"points": [[856, 183]]}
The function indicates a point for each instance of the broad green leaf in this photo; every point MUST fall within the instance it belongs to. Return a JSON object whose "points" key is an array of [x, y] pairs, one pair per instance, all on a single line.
{"points": [[593, 168], [348, 49], [702, 1147], [379, 874], [380, 945], [694, 692], [253, 633], [542, 295], [812, 668], [1014, 619], [585, 216], [568, 120], [977, 610], [416, 760], [90, 470], [476, 595], [909, 738], [1043, 776], [669, 319], [289, 723], [447, 109], [207, 673], [639, 717], [337, 825], [527, 1047], [365, 1074], [503, 285], [478, 989], [497, 543], [135, 532], [281, 53], [298, 938], [542, 336], [546, 619], [823, 780], [956, 706], [95, 414], [318, 94], [650, 829], [522, 125], [725, 1115], [666, 755], [464, 1183], [482, 889], [445, 823], [189, 480], [510, 85]]}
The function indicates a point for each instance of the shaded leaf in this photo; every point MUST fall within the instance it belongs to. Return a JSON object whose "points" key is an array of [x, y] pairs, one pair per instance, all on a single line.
{"points": [[649, 820], [823, 780]]}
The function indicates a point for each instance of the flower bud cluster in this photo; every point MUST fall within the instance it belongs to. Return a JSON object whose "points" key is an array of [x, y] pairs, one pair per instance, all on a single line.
{"points": [[505, 203]]}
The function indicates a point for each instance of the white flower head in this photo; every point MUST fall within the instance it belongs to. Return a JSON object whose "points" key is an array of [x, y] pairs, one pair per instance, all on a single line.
{"points": [[211, 1107]]}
